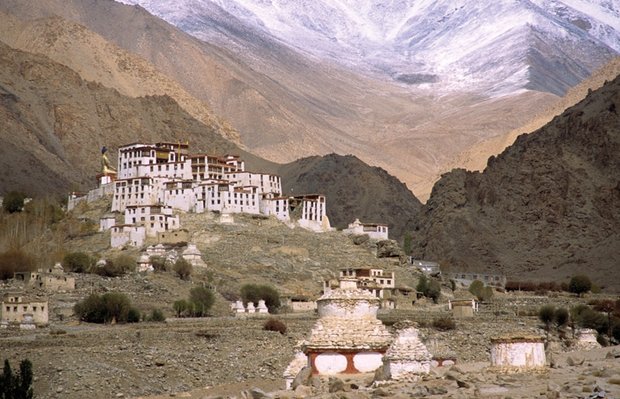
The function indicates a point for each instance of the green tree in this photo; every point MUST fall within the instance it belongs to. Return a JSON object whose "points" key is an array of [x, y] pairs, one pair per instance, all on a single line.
{"points": [[254, 293], [78, 262], [7, 381], [117, 307], [486, 294], [91, 309], [158, 262], [13, 202], [422, 286], [561, 317], [579, 284], [106, 308], [202, 299], [120, 266], [606, 306], [181, 308], [433, 290], [407, 243], [476, 288], [157, 315], [546, 314], [16, 386], [23, 387], [182, 268], [429, 288]]}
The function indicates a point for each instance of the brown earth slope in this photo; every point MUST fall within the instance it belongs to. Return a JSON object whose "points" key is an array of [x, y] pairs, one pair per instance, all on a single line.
{"points": [[98, 60], [547, 207], [475, 158], [54, 124]]}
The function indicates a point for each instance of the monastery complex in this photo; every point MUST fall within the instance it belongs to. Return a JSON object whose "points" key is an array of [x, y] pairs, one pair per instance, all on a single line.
{"points": [[156, 181]]}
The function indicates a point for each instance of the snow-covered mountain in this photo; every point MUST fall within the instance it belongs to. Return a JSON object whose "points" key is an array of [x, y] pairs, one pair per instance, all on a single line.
{"points": [[497, 46]]}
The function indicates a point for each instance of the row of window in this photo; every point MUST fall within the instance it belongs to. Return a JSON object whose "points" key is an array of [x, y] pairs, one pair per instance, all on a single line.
{"points": [[25, 308]]}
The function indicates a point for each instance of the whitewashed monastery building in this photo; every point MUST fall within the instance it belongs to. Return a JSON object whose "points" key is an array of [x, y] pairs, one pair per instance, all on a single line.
{"points": [[156, 180]]}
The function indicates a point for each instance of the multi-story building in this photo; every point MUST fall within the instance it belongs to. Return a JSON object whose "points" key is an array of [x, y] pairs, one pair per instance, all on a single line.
{"points": [[15, 308], [156, 179], [377, 281]]}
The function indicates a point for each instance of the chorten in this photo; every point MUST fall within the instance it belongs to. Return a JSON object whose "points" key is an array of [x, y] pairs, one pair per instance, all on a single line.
{"points": [[348, 337]]}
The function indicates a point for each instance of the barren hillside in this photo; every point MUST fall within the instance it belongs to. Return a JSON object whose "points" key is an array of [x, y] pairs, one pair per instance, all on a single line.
{"points": [[475, 157], [547, 207], [284, 104]]}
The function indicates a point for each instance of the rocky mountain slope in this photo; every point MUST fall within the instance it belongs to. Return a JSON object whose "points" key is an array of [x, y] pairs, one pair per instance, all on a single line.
{"points": [[476, 156], [498, 47], [54, 124], [547, 207], [98, 60], [353, 190], [283, 103]]}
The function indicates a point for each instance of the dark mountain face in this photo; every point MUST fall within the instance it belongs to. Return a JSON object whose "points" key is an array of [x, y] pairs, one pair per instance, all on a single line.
{"points": [[547, 207], [354, 190]]}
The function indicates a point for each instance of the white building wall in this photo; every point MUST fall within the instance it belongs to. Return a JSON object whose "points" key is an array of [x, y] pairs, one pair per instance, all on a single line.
{"points": [[523, 355], [14, 308], [106, 223], [277, 207]]}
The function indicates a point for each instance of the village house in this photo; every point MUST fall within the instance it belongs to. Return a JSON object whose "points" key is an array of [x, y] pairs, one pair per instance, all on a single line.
{"points": [[310, 211], [376, 281], [464, 279], [375, 231], [53, 279], [425, 266], [16, 308]]}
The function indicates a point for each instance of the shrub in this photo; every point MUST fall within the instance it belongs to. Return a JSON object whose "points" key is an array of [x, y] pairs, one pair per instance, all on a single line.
{"points": [[182, 268], [589, 318], [133, 315], [561, 317], [91, 309], [17, 386], [106, 308], [615, 330], [117, 307], [444, 323], [13, 202], [15, 260], [579, 284], [253, 293], [546, 314], [157, 315], [182, 308], [407, 243], [429, 288], [78, 262], [275, 325], [201, 299], [158, 262], [486, 294], [422, 284], [521, 286], [120, 266], [476, 288]]}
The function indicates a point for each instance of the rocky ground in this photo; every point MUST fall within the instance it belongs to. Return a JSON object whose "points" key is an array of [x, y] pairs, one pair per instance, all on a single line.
{"points": [[224, 356]]}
